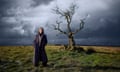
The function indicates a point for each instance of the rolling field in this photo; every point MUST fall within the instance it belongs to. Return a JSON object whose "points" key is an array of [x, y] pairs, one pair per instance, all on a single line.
{"points": [[84, 59]]}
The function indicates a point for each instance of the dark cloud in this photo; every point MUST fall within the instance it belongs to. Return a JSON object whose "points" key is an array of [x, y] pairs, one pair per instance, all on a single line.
{"points": [[18, 41], [4, 28], [101, 28], [108, 34], [4, 6], [39, 2]]}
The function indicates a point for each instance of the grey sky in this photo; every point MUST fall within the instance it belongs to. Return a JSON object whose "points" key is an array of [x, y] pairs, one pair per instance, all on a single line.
{"points": [[19, 20]]}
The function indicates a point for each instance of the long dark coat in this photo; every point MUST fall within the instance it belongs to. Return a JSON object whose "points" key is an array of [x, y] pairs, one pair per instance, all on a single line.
{"points": [[39, 49]]}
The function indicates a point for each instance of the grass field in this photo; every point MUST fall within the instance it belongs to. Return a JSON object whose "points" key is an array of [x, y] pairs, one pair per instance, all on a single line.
{"points": [[88, 59]]}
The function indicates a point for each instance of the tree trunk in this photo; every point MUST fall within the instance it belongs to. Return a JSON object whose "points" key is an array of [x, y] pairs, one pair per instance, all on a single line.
{"points": [[71, 44]]}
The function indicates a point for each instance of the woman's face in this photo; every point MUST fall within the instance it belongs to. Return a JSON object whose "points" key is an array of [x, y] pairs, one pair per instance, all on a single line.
{"points": [[40, 31]]}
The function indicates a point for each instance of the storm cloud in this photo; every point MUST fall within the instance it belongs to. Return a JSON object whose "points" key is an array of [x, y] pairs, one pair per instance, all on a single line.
{"points": [[20, 19]]}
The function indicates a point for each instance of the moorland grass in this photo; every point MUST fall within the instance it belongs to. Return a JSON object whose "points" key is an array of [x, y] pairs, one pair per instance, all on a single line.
{"points": [[19, 59]]}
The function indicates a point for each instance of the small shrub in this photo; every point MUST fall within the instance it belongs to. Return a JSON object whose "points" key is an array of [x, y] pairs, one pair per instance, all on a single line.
{"points": [[90, 51]]}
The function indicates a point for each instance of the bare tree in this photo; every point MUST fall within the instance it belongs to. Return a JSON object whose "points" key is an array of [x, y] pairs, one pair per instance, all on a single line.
{"points": [[68, 15]]}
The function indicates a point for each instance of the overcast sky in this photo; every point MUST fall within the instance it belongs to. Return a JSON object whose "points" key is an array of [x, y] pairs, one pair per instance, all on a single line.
{"points": [[20, 19]]}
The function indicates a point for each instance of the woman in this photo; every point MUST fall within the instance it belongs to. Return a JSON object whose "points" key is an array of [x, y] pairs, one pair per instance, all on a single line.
{"points": [[39, 44]]}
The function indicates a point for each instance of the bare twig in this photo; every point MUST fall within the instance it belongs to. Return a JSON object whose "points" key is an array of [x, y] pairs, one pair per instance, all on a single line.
{"points": [[58, 28], [81, 26]]}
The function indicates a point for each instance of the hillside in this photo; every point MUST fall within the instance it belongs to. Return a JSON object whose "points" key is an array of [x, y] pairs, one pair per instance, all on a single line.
{"points": [[87, 59]]}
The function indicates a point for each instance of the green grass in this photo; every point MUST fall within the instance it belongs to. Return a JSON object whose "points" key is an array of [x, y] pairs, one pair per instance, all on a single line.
{"points": [[19, 59]]}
